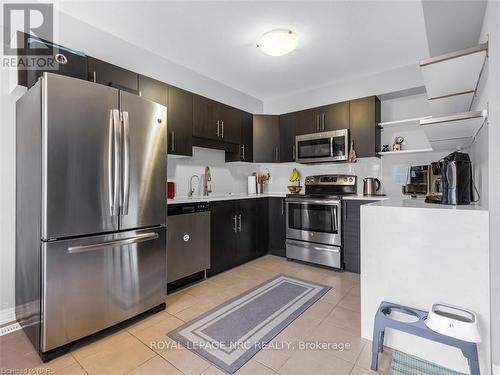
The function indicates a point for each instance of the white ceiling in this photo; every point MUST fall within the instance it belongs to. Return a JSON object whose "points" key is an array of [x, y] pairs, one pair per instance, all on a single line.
{"points": [[337, 39]]}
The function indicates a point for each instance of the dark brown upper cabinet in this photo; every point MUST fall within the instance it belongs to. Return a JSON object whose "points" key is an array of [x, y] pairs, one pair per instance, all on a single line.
{"points": [[179, 105], [153, 89], [231, 124], [334, 116], [364, 128], [244, 151], [75, 63], [216, 121], [205, 118], [287, 131], [180, 121], [111, 75], [266, 139], [307, 121], [325, 118]]}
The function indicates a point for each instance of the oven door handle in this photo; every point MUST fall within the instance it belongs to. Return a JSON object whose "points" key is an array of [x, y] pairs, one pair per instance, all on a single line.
{"points": [[334, 213], [313, 201]]}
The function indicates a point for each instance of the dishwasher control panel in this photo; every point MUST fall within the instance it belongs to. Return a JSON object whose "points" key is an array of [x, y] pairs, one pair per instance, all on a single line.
{"points": [[188, 208]]}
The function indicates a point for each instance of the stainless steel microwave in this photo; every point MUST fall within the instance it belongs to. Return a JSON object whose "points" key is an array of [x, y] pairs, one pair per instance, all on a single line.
{"points": [[322, 147]]}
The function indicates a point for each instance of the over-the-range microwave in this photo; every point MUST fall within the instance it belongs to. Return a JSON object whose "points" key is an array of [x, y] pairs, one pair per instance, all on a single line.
{"points": [[322, 147]]}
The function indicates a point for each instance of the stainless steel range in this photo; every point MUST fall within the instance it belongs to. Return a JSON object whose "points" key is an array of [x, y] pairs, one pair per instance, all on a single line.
{"points": [[313, 220]]}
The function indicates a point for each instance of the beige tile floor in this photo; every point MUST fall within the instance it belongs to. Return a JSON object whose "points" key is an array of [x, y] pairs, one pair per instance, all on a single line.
{"points": [[143, 348]]}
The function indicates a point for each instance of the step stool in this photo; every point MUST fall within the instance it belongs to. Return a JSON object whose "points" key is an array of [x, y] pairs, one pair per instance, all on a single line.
{"points": [[417, 328]]}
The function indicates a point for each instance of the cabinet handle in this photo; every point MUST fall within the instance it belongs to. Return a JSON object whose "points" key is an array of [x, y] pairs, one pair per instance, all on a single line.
{"points": [[222, 126], [217, 132], [276, 153], [282, 207], [239, 224], [293, 153], [242, 152], [323, 120], [172, 141], [94, 76], [317, 123], [235, 224]]}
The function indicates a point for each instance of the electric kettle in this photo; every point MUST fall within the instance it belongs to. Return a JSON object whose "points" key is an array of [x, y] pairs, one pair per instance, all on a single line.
{"points": [[371, 185]]}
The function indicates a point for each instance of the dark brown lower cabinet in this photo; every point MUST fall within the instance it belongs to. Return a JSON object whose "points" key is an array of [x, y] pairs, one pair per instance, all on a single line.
{"points": [[277, 226], [223, 248], [351, 233], [238, 233]]}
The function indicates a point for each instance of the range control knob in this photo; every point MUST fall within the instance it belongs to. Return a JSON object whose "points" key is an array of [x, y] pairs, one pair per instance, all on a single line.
{"points": [[350, 179], [345, 179]]}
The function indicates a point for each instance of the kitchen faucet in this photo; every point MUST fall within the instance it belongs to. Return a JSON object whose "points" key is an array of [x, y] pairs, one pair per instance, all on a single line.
{"points": [[207, 188], [191, 187]]}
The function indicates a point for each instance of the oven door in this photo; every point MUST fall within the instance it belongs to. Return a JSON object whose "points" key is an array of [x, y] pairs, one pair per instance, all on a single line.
{"points": [[313, 220]]}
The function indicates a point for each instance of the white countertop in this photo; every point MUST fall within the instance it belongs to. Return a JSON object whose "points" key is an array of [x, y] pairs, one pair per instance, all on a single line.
{"points": [[227, 197], [365, 197], [224, 197], [420, 203]]}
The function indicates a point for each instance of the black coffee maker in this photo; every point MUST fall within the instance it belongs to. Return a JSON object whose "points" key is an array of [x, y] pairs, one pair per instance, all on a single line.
{"points": [[456, 179]]}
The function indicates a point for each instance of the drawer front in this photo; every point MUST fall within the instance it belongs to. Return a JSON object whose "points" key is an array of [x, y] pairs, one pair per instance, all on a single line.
{"points": [[92, 283], [314, 253]]}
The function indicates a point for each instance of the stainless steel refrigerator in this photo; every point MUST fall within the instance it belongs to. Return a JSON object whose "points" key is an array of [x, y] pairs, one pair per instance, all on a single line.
{"points": [[90, 209]]}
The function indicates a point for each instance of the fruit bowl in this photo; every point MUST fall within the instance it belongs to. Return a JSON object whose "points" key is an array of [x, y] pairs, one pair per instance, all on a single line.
{"points": [[294, 189]]}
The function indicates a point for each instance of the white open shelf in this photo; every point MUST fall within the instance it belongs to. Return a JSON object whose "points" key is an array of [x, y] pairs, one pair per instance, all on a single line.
{"points": [[451, 104], [453, 73], [456, 126], [406, 123], [453, 144], [403, 152]]}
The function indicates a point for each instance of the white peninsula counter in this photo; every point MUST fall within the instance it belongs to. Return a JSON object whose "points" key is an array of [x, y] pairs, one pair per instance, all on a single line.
{"points": [[417, 254]]}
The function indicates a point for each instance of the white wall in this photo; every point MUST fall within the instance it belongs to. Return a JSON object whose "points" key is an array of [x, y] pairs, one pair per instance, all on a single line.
{"points": [[94, 42], [7, 196], [492, 28], [403, 78]]}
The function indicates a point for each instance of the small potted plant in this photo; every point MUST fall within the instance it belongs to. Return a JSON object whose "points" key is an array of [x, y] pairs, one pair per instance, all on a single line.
{"points": [[295, 180]]}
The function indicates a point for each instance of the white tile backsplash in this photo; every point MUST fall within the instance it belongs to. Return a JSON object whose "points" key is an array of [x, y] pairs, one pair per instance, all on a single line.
{"points": [[226, 177], [232, 177], [280, 172]]}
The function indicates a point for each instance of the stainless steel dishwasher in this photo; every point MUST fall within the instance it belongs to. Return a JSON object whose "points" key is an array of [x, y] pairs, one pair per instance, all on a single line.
{"points": [[188, 239]]}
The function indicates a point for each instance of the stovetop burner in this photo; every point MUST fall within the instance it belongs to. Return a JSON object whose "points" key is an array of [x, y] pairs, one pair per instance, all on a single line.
{"points": [[330, 185]]}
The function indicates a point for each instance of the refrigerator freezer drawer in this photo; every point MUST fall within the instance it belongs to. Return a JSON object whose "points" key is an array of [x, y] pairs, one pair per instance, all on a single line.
{"points": [[325, 255], [94, 282]]}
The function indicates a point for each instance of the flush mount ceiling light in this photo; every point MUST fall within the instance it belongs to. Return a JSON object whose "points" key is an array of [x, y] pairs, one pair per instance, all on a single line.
{"points": [[278, 42]]}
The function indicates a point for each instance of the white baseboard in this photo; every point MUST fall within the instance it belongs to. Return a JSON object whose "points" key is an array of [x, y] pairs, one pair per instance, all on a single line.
{"points": [[495, 369], [7, 316]]}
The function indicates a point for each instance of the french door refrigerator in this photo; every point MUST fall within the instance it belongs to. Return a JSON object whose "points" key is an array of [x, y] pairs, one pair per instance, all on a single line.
{"points": [[90, 209]]}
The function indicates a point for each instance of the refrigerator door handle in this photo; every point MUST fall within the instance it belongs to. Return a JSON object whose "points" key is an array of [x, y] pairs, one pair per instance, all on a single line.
{"points": [[120, 242], [126, 164], [110, 163], [116, 162]]}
